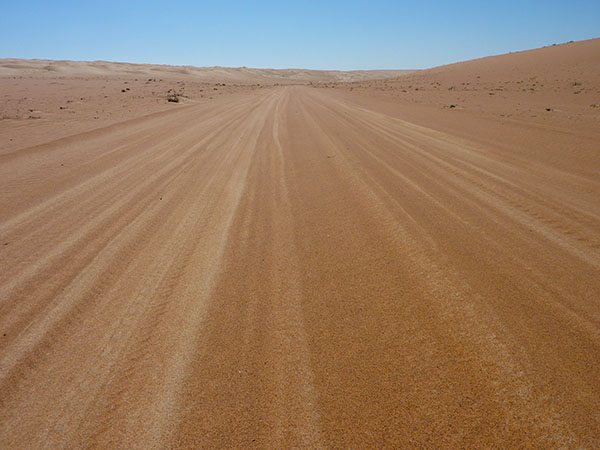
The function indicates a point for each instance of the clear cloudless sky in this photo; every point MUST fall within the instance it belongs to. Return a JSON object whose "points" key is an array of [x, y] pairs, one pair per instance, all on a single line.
{"points": [[336, 34]]}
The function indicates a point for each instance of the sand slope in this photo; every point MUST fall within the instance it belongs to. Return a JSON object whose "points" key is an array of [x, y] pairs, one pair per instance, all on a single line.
{"points": [[556, 86], [302, 267]]}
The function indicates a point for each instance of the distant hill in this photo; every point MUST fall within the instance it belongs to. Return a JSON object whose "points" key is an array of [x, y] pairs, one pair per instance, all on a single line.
{"points": [[242, 75]]}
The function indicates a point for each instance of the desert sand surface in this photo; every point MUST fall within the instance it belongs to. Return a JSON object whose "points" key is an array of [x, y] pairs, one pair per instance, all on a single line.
{"points": [[42, 100], [342, 265]]}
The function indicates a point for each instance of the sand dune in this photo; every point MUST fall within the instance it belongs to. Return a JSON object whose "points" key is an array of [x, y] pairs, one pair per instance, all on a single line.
{"points": [[557, 86], [245, 75], [346, 266]]}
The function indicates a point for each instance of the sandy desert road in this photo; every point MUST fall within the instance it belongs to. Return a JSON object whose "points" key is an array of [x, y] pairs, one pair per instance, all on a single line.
{"points": [[287, 268]]}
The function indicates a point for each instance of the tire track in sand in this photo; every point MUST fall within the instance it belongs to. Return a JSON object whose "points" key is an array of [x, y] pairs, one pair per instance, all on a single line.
{"points": [[296, 404], [222, 192]]}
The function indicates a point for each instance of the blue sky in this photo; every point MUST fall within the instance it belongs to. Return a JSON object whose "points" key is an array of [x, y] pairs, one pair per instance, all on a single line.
{"points": [[377, 34]]}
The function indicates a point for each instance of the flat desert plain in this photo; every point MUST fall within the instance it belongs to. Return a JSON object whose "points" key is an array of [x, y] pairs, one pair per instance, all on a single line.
{"points": [[299, 258]]}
